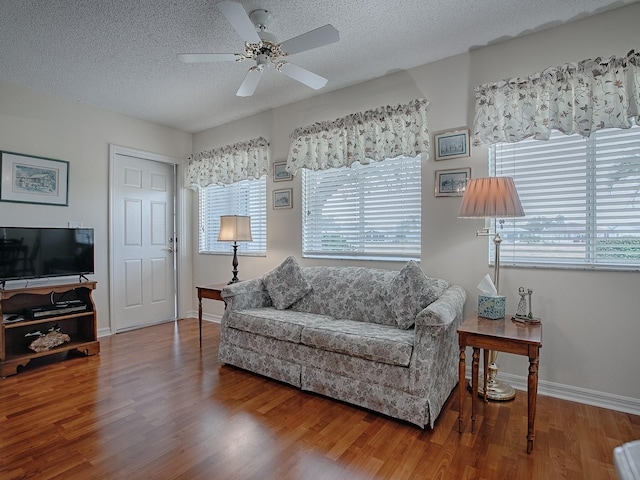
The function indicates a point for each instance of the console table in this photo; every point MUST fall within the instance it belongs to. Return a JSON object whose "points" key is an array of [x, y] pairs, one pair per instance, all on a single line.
{"points": [[503, 335], [212, 292]]}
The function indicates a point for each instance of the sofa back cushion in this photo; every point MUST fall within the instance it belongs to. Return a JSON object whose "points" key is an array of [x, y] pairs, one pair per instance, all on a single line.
{"points": [[352, 293], [286, 283], [410, 291]]}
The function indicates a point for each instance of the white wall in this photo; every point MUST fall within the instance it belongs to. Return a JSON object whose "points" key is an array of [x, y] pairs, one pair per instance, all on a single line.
{"points": [[591, 324], [35, 124]]}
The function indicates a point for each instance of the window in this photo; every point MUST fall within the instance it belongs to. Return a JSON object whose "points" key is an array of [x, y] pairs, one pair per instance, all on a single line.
{"points": [[366, 211], [248, 197], [581, 198]]}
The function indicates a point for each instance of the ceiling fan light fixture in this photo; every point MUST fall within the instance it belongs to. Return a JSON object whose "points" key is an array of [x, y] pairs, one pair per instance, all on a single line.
{"points": [[262, 61], [264, 48]]}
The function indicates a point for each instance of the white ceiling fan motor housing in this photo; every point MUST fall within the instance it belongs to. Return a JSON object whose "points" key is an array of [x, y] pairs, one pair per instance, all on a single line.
{"points": [[262, 19]]}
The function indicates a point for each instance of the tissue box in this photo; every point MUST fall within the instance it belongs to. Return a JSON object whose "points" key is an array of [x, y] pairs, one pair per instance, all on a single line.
{"points": [[491, 307]]}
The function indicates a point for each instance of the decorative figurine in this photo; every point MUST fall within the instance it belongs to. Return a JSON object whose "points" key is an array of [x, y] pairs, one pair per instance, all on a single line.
{"points": [[521, 312]]}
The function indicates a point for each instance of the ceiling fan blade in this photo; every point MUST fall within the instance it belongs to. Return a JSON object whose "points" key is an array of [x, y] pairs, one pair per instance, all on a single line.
{"points": [[303, 75], [209, 57], [315, 38], [250, 82], [235, 13]]}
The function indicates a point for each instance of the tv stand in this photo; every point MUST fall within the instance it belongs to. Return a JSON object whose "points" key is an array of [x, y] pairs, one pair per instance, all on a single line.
{"points": [[80, 326]]}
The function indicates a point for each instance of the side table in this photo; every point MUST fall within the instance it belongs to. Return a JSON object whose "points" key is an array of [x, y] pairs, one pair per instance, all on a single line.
{"points": [[212, 292], [503, 335]]}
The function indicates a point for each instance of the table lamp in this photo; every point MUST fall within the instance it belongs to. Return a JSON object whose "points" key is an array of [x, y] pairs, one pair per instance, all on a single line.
{"points": [[235, 228], [492, 197]]}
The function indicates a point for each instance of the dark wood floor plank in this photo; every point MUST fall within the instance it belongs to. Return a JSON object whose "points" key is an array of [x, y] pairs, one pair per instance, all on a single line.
{"points": [[153, 404]]}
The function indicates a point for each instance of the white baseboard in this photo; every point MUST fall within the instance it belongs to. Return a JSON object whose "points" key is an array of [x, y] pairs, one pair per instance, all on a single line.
{"points": [[574, 394], [205, 316], [104, 332], [211, 318]]}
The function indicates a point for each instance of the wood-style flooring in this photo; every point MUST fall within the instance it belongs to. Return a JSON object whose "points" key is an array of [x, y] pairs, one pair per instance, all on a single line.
{"points": [[153, 405]]}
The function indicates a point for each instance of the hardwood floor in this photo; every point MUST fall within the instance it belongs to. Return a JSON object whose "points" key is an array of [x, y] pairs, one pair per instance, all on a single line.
{"points": [[154, 405]]}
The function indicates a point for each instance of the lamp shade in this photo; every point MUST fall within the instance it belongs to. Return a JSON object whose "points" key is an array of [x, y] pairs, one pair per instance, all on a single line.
{"points": [[235, 228], [491, 197]]}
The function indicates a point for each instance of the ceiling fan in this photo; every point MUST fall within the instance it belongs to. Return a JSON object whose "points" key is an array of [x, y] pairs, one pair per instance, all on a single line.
{"points": [[263, 47]]}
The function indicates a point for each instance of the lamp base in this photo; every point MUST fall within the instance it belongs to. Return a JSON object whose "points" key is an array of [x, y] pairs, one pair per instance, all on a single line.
{"points": [[497, 390], [234, 263]]}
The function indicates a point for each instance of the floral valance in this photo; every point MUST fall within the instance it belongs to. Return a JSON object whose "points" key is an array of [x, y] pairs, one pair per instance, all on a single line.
{"points": [[386, 132], [228, 164], [573, 98]]}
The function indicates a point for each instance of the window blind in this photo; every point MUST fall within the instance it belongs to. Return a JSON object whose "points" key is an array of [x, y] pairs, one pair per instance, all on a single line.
{"points": [[247, 197], [366, 211], [581, 198]]}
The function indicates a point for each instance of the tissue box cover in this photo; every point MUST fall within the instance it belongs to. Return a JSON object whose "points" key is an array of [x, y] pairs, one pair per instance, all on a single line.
{"points": [[491, 307]]}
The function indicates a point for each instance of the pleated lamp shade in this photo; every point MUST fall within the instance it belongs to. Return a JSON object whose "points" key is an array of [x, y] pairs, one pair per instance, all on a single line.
{"points": [[235, 228], [491, 197]]}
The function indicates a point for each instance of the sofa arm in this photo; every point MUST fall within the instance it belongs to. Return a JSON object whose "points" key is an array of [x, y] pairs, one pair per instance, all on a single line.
{"points": [[433, 367], [445, 310], [246, 294]]}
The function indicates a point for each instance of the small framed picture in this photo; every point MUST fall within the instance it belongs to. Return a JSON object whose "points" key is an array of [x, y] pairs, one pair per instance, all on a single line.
{"points": [[452, 182], [282, 198], [452, 144], [30, 179], [280, 173]]}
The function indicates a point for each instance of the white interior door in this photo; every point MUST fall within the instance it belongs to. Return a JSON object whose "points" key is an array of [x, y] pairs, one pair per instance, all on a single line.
{"points": [[143, 241]]}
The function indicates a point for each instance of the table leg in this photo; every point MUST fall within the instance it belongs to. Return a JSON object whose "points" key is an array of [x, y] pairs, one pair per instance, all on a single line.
{"points": [[532, 394], [474, 385], [485, 366], [200, 317], [461, 381]]}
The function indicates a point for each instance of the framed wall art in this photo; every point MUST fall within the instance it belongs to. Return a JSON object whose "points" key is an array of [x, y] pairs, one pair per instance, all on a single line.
{"points": [[452, 144], [30, 179], [452, 182], [280, 173], [282, 198]]}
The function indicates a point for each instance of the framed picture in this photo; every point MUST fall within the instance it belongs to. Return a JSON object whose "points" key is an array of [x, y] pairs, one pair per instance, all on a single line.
{"points": [[454, 144], [280, 173], [452, 182], [29, 179], [282, 198]]}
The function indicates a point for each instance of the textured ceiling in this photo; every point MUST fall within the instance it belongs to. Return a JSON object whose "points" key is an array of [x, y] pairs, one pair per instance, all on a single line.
{"points": [[120, 55]]}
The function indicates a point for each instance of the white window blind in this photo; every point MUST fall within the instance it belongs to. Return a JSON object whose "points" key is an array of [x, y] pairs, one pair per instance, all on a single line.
{"points": [[581, 198], [366, 211], [247, 197]]}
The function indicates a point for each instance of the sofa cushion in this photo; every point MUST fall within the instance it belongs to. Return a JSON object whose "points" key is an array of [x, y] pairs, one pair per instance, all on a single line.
{"points": [[379, 343], [350, 293], [410, 291], [269, 322], [286, 283]]}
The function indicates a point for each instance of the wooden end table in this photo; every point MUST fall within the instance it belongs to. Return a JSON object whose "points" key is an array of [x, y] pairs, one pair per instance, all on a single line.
{"points": [[212, 292], [503, 335]]}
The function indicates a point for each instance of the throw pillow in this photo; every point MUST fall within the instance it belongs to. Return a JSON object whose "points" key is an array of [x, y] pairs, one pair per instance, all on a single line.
{"points": [[410, 291], [286, 283]]}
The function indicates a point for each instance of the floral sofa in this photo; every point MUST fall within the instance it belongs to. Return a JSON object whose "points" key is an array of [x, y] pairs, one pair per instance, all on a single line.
{"points": [[380, 339]]}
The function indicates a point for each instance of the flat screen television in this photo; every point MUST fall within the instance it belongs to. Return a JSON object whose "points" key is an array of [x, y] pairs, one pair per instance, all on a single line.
{"points": [[32, 252]]}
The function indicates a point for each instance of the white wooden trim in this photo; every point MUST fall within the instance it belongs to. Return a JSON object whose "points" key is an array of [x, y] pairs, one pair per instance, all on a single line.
{"points": [[574, 394], [179, 214]]}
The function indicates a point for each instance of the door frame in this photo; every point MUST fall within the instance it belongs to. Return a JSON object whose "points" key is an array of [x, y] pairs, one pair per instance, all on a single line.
{"points": [[179, 215]]}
